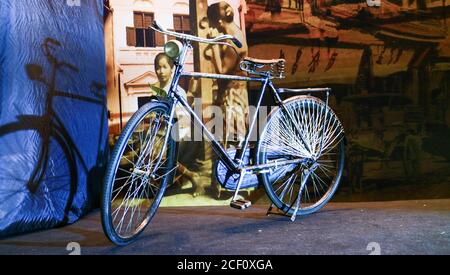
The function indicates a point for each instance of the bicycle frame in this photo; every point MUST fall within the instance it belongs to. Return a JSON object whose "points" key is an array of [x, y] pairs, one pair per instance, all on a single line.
{"points": [[236, 164]]}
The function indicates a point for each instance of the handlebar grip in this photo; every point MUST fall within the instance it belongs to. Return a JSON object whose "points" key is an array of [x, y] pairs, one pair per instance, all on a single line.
{"points": [[237, 42]]}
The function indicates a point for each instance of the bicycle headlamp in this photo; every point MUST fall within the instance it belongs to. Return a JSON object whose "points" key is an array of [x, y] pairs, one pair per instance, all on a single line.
{"points": [[173, 48]]}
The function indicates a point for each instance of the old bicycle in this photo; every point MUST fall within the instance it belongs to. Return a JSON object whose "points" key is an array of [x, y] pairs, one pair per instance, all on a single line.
{"points": [[298, 158]]}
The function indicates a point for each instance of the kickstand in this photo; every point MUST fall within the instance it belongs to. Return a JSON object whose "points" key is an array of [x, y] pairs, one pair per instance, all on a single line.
{"points": [[305, 176], [278, 212]]}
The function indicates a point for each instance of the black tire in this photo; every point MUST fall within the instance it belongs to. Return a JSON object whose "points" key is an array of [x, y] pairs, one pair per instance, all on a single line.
{"points": [[53, 187], [146, 185], [292, 173]]}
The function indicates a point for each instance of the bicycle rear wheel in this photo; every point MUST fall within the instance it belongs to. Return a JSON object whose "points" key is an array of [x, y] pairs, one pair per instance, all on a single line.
{"points": [[302, 188], [135, 180]]}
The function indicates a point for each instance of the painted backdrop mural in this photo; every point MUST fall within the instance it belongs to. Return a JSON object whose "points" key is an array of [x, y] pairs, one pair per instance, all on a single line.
{"points": [[389, 70], [388, 67]]}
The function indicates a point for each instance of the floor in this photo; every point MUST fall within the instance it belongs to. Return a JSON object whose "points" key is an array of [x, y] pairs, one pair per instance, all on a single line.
{"points": [[396, 227]]}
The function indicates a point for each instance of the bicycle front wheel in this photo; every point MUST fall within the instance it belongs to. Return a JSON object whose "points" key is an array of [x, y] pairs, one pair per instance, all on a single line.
{"points": [[141, 166], [309, 132]]}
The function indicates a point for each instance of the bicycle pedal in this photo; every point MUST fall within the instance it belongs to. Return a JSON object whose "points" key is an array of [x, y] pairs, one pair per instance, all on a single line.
{"points": [[240, 204]]}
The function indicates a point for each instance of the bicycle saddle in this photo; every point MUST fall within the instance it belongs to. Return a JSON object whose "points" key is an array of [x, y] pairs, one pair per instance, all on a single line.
{"points": [[264, 67], [264, 61]]}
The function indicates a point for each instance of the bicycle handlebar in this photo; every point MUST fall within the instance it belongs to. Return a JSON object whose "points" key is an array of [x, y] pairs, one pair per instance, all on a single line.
{"points": [[159, 28]]}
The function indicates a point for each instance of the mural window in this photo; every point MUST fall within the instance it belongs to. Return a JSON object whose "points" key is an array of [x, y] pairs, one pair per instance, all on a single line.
{"points": [[140, 35], [181, 23]]}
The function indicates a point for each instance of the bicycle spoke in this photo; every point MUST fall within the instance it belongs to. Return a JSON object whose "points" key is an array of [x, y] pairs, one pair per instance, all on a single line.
{"points": [[288, 185], [124, 157], [327, 174], [319, 181], [134, 206]]}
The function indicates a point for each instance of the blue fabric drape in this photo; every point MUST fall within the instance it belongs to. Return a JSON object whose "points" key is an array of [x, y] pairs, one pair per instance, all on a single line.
{"points": [[53, 125]]}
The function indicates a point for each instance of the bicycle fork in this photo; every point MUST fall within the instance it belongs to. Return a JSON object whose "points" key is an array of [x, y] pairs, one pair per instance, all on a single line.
{"points": [[169, 132], [150, 173]]}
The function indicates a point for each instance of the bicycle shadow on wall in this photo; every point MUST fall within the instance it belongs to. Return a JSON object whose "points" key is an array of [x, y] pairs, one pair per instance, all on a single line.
{"points": [[42, 162]]}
